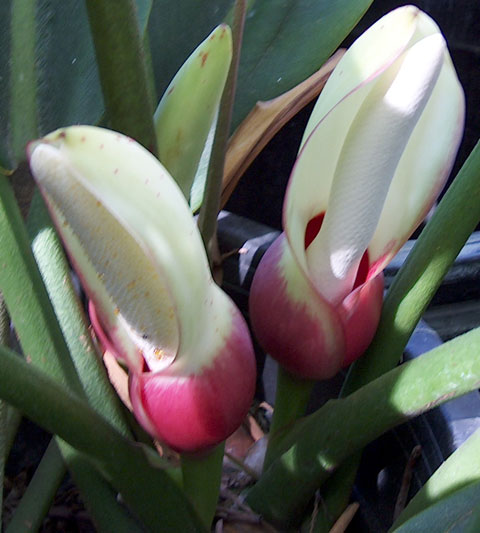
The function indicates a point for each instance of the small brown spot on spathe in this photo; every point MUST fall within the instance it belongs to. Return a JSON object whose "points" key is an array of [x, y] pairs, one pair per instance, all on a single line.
{"points": [[98, 203], [147, 181], [102, 146], [116, 311], [170, 91], [159, 353], [83, 139], [204, 56], [115, 171]]}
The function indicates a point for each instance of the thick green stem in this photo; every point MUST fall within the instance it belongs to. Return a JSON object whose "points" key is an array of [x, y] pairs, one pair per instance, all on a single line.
{"points": [[207, 221], [201, 482], [411, 292], [291, 399], [122, 68], [319, 443], [23, 77]]}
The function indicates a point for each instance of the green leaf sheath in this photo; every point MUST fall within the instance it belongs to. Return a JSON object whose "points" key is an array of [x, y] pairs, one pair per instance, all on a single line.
{"points": [[189, 107], [56, 409], [122, 68], [23, 77], [460, 469], [207, 221], [319, 443]]}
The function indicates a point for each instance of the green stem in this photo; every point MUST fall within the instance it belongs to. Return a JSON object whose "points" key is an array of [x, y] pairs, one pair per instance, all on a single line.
{"points": [[23, 77], [201, 482], [127, 464], [122, 68], [319, 443], [291, 399], [26, 298], [412, 290], [207, 220]]}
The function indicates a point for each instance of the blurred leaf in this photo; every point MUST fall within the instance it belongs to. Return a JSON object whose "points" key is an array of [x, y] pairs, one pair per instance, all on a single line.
{"points": [[189, 106], [286, 41], [68, 86], [450, 515]]}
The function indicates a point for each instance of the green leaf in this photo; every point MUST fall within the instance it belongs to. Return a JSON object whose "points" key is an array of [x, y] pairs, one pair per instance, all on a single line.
{"points": [[452, 514], [461, 468], [285, 42], [122, 68]]}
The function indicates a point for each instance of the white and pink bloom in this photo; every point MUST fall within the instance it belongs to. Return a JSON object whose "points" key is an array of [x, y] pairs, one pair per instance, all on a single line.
{"points": [[133, 242], [376, 152]]}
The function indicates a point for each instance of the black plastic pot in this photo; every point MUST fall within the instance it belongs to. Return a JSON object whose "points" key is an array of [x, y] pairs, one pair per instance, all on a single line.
{"points": [[439, 432]]}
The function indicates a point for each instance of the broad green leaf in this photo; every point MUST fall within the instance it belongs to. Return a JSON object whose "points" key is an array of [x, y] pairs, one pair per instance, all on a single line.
{"points": [[189, 107], [285, 42], [452, 514]]}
